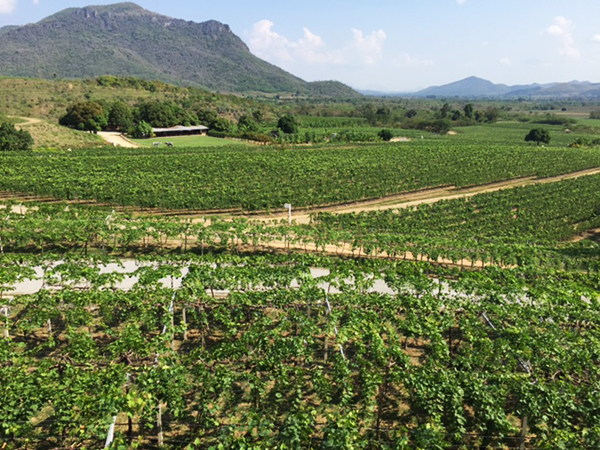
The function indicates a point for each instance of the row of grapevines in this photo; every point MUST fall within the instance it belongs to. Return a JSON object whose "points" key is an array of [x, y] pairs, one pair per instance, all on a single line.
{"points": [[265, 179], [448, 358]]}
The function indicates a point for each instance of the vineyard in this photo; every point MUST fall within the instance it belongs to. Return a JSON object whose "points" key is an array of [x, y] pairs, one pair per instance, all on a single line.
{"points": [[367, 330], [263, 179], [140, 307], [261, 352]]}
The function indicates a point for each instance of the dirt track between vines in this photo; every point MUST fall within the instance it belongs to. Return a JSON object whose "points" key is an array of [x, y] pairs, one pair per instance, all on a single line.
{"points": [[404, 200], [424, 196]]}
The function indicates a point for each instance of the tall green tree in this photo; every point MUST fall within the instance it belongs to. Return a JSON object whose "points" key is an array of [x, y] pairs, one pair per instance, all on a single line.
{"points": [[141, 130], [247, 123], [85, 116], [468, 110], [120, 116]]}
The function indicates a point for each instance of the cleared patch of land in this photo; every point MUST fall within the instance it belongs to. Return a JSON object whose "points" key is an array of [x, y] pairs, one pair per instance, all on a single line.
{"points": [[50, 135], [117, 139]]}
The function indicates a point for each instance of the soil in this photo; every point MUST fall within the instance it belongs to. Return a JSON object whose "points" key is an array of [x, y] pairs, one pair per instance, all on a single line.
{"points": [[117, 139], [28, 121]]}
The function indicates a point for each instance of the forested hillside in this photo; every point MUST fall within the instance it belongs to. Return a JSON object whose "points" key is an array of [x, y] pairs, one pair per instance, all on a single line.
{"points": [[126, 40]]}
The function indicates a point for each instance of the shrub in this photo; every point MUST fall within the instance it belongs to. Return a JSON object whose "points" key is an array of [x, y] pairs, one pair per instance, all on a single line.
{"points": [[538, 135], [385, 135], [12, 139], [288, 124], [141, 130]]}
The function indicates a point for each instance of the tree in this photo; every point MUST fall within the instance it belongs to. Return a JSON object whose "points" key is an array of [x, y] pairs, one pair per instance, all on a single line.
{"points": [[206, 117], [411, 113], [12, 139], [385, 135], [159, 114], [288, 124], [538, 135], [384, 114], [141, 130], [456, 115], [221, 125], [85, 116], [468, 110], [491, 114], [247, 123], [445, 110], [120, 116]]}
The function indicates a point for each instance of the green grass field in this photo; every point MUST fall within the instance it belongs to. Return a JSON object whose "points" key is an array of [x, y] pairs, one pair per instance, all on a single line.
{"points": [[189, 141]]}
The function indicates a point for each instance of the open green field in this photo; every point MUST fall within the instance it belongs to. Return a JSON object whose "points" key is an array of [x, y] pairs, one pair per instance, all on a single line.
{"points": [[189, 141]]}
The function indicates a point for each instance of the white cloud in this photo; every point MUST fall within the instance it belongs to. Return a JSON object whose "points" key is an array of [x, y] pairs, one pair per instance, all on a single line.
{"points": [[266, 43], [461, 2], [7, 6], [368, 48], [505, 61], [36, 2], [562, 30], [405, 60], [312, 49], [596, 38]]}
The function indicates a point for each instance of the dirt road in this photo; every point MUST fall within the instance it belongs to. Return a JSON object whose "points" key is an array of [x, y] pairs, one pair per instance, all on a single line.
{"points": [[117, 139], [28, 121], [426, 196]]}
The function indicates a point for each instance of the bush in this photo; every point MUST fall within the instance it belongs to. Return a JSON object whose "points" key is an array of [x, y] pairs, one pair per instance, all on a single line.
{"points": [[12, 139], [385, 135], [538, 135], [582, 143], [141, 130], [217, 134], [288, 124], [552, 119], [255, 136]]}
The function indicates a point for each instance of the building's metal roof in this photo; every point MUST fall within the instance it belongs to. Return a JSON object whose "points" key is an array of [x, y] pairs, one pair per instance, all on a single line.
{"points": [[180, 128]]}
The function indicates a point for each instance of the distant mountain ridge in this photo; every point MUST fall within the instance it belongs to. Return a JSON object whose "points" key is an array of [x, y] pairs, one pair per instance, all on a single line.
{"points": [[474, 87], [478, 87], [124, 39]]}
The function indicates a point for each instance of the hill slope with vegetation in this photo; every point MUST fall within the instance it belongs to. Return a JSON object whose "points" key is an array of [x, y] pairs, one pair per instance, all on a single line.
{"points": [[126, 40]]}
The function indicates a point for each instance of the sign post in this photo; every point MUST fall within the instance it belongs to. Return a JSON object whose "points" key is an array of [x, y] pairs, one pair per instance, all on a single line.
{"points": [[289, 207]]}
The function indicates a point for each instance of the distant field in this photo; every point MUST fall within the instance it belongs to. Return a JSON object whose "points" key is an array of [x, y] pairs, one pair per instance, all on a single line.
{"points": [[188, 141], [263, 178]]}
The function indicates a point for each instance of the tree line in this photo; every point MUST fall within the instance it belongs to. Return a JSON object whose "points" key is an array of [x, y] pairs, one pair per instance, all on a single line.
{"points": [[138, 120]]}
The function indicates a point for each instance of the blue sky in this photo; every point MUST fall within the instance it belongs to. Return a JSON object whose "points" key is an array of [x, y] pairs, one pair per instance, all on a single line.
{"points": [[394, 45]]}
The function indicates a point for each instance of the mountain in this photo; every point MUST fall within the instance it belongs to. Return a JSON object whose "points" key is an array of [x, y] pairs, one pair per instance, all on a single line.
{"points": [[126, 40], [477, 87], [469, 87]]}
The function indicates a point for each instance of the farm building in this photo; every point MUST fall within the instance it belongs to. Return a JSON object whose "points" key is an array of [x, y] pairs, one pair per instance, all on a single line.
{"points": [[180, 130]]}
